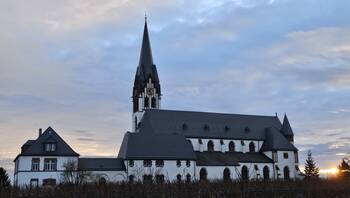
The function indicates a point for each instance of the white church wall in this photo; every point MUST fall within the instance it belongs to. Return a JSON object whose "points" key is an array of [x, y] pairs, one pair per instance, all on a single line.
{"points": [[255, 174], [170, 170], [289, 162]]}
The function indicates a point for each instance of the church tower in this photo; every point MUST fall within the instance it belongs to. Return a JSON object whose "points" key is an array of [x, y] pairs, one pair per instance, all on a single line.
{"points": [[146, 91]]}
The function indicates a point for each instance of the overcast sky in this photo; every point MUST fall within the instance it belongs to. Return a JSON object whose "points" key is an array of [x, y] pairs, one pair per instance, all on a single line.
{"points": [[70, 64]]}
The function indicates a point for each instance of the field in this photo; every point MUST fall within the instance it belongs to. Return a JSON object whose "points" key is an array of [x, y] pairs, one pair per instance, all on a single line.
{"points": [[218, 189]]}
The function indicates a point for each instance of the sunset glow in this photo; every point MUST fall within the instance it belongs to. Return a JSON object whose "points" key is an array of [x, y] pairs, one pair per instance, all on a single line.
{"points": [[333, 171]]}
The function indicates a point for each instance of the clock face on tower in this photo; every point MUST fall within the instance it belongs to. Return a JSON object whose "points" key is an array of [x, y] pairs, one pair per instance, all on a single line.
{"points": [[149, 91]]}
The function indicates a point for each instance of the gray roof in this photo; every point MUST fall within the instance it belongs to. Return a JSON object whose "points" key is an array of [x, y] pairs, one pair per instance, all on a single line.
{"points": [[217, 158], [207, 125], [286, 128], [276, 141], [101, 164], [156, 146], [36, 147]]}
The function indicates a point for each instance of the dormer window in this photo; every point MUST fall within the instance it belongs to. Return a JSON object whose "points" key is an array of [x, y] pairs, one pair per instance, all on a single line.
{"points": [[184, 126], [206, 127], [227, 128], [50, 147], [247, 129]]}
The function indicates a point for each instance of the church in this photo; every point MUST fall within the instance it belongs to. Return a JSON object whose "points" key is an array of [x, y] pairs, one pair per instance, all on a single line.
{"points": [[169, 145]]}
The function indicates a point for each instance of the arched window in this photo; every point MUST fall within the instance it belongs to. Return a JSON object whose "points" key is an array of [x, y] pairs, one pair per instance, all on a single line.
{"points": [[146, 102], [102, 180], [203, 174], [227, 174], [147, 178], [286, 172], [210, 145], [188, 178], [251, 147], [131, 163], [231, 146], [178, 163], [159, 179], [244, 173], [178, 177], [131, 178], [266, 173], [159, 163], [153, 102]]}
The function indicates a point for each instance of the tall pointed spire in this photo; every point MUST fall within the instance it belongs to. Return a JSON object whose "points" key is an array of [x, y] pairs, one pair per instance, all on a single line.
{"points": [[146, 58]]}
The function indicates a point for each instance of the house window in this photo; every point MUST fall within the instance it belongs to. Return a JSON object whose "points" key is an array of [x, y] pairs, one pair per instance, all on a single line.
{"points": [[159, 179], [178, 163], [49, 182], [285, 155], [147, 163], [34, 182], [188, 163], [159, 163], [210, 145], [251, 147], [131, 163], [50, 147], [35, 164], [50, 164]]}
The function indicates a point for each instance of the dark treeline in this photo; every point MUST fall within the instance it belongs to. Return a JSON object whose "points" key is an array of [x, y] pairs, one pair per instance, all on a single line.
{"points": [[312, 188]]}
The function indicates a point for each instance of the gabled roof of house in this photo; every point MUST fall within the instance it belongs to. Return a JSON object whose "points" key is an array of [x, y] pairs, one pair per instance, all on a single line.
{"points": [[276, 141], [36, 147], [156, 146], [101, 164], [207, 125], [217, 158]]}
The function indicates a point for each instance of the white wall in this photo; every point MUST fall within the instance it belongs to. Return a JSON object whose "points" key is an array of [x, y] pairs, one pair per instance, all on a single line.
{"points": [[219, 147], [169, 170], [110, 176], [24, 174], [290, 163]]}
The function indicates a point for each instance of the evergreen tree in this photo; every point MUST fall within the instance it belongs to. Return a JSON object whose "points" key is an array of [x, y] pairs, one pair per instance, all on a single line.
{"points": [[311, 170], [344, 168], [4, 178]]}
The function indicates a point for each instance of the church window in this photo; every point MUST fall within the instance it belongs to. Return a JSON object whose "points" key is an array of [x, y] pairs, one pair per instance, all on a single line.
{"points": [[131, 178], [266, 173], [136, 124], [178, 163], [102, 180], [286, 172], [131, 163], [35, 164], [231, 146], [178, 177], [251, 147], [285, 155], [159, 163], [188, 178], [210, 145], [203, 174], [227, 128], [147, 163], [222, 142], [50, 164], [206, 127], [275, 156], [184, 126], [147, 178], [247, 129], [227, 174], [244, 173], [153, 102], [296, 159], [256, 168], [146, 102], [188, 163], [200, 141], [242, 143]]}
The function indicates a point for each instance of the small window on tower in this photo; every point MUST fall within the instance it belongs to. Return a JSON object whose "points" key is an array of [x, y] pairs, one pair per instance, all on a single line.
{"points": [[153, 102], [146, 102]]}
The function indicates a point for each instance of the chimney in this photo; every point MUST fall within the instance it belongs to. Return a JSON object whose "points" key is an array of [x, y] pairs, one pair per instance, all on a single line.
{"points": [[40, 132]]}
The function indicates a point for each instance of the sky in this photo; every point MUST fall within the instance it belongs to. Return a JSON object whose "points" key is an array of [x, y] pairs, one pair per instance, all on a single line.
{"points": [[70, 64]]}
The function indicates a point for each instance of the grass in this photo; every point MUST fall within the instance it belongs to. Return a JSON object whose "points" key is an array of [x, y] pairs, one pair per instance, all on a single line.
{"points": [[217, 189]]}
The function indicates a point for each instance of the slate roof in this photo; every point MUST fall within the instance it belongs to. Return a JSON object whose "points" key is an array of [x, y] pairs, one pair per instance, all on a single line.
{"points": [[217, 158], [101, 164], [156, 146], [286, 128], [36, 147], [207, 125], [276, 141]]}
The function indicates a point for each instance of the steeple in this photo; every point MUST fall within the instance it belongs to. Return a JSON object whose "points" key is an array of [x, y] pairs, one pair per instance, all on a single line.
{"points": [[287, 129], [146, 91]]}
